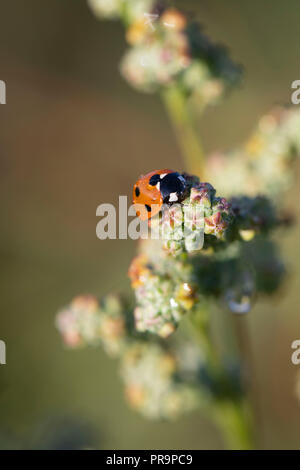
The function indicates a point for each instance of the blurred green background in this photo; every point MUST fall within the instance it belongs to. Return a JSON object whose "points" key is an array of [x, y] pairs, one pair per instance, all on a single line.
{"points": [[73, 134]]}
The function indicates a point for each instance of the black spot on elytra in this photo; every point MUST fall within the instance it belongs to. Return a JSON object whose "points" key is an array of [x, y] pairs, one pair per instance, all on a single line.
{"points": [[137, 191], [148, 207], [154, 180]]}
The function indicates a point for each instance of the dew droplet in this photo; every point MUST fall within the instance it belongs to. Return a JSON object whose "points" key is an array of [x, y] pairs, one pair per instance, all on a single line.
{"points": [[239, 297]]}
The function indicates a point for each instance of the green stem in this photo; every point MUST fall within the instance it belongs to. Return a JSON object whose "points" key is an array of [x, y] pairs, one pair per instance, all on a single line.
{"points": [[232, 416], [201, 330], [235, 420], [244, 347], [186, 132]]}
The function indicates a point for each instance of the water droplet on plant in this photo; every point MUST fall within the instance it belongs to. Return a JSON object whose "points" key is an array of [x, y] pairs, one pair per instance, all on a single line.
{"points": [[238, 304], [239, 297]]}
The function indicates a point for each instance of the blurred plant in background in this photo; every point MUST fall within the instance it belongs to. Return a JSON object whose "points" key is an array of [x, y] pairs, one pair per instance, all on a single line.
{"points": [[264, 164], [56, 433], [237, 261]]}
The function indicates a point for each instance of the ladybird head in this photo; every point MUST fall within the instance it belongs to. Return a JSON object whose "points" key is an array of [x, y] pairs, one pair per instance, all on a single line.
{"points": [[173, 188]]}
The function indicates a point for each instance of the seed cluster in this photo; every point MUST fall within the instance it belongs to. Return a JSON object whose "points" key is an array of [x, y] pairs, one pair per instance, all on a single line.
{"points": [[167, 46]]}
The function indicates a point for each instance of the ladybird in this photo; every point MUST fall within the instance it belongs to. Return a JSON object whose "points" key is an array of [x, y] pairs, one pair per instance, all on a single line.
{"points": [[157, 188]]}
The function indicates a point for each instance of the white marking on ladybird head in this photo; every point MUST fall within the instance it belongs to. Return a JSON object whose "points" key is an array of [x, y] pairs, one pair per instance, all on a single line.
{"points": [[158, 186], [162, 175], [173, 197]]}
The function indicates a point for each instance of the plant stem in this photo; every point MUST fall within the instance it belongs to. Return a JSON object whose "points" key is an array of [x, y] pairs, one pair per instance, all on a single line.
{"points": [[201, 330], [235, 420], [232, 416], [244, 346], [181, 117]]}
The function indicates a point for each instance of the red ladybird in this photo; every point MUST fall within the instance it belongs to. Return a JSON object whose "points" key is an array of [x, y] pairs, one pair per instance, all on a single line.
{"points": [[156, 188]]}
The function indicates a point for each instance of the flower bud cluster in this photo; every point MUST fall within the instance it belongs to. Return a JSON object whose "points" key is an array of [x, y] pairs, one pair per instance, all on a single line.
{"points": [[264, 165], [200, 218], [167, 48], [173, 49], [153, 385], [200, 255], [161, 381], [164, 291], [87, 322]]}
